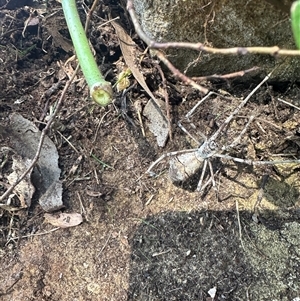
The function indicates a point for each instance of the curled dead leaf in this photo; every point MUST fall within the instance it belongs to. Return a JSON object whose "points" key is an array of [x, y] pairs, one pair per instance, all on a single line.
{"points": [[63, 220]]}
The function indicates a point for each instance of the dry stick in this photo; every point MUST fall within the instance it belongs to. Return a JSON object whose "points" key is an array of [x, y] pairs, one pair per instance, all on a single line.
{"points": [[288, 103], [158, 53], [82, 207], [105, 244], [275, 50], [226, 76], [239, 222], [89, 15], [178, 74], [36, 234], [237, 109]]}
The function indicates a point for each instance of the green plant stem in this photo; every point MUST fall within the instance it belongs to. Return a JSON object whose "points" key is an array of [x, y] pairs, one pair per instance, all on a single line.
{"points": [[100, 89], [295, 21]]}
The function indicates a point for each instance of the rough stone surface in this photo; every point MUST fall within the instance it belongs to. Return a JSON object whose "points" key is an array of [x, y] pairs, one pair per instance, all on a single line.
{"points": [[222, 23]]}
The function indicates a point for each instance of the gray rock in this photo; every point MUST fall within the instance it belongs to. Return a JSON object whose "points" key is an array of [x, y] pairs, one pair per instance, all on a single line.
{"points": [[222, 23]]}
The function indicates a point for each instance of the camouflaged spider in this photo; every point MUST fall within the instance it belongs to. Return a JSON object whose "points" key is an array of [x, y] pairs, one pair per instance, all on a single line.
{"points": [[185, 163]]}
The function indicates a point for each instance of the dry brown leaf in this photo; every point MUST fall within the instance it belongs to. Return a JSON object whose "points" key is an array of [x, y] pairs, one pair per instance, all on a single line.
{"points": [[130, 53], [63, 220]]}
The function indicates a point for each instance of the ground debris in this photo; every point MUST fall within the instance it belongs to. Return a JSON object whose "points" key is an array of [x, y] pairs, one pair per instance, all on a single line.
{"points": [[24, 139], [25, 189], [63, 220]]}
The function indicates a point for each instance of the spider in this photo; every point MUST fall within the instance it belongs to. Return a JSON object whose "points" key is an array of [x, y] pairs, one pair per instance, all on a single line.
{"points": [[185, 163]]}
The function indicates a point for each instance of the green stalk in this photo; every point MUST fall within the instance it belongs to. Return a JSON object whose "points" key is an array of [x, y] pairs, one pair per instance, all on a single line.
{"points": [[100, 89], [295, 21]]}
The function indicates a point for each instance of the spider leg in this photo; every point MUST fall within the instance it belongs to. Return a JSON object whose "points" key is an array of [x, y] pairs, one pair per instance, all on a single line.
{"points": [[237, 140], [191, 112], [199, 186], [237, 109], [210, 180], [189, 134], [212, 175], [253, 162]]}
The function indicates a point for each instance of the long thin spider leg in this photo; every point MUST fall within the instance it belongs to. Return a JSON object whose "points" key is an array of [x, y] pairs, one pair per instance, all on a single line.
{"points": [[189, 134], [251, 162], [212, 174], [237, 140], [205, 185], [199, 186], [237, 109], [211, 179], [171, 154], [190, 113]]}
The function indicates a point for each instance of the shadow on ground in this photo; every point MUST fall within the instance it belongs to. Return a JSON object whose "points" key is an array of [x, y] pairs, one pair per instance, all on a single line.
{"points": [[183, 256]]}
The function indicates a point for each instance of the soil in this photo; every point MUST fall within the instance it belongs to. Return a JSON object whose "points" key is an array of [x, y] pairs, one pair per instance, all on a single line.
{"points": [[145, 238]]}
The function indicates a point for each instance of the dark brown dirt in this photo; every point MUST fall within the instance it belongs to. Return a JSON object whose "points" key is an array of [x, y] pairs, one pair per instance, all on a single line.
{"points": [[144, 238]]}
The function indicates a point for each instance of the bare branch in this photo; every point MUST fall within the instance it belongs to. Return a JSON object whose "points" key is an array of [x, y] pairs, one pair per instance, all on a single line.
{"points": [[274, 50]]}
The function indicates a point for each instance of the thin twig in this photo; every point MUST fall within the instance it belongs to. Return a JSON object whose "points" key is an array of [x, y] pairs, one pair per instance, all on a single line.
{"points": [[239, 222], [37, 234], [89, 15], [82, 207], [274, 51], [98, 126], [225, 76], [178, 74], [67, 140], [237, 109], [105, 244], [288, 103]]}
